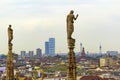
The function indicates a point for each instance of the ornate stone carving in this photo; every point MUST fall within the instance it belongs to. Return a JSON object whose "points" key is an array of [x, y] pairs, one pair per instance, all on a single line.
{"points": [[10, 64]]}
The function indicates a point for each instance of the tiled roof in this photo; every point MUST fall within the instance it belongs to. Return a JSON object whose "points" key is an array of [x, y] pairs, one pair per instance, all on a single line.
{"points": [[108, 79], [91, 78]]}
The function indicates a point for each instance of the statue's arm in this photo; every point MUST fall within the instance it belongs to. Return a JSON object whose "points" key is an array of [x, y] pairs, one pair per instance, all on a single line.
{"points": [[76, 17]]}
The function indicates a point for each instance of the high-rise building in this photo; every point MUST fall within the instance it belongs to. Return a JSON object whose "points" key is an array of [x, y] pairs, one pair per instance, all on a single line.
{"points": [[23, 54], [46, 48], [38, 52], [31, 53], [50, 47]]}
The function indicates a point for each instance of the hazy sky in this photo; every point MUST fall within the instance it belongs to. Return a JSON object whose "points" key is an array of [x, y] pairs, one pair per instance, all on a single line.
{"points": [[34, 21]]}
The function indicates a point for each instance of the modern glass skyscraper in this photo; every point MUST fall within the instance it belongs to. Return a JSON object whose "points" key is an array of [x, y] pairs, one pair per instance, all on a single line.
{"points": [[46, 48], [50, 47]]}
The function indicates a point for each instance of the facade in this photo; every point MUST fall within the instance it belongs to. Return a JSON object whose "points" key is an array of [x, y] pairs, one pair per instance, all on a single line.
{"points": [[50, 47], [38, 52], [106, 61], [23, 54], [102, 62]]}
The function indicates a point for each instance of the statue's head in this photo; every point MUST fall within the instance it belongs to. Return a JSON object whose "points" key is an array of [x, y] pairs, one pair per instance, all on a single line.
{"points": [[10, 25], [71, 12]]}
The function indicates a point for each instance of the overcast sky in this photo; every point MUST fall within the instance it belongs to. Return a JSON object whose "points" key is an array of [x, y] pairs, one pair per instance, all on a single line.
{"points": [[34, 21]]}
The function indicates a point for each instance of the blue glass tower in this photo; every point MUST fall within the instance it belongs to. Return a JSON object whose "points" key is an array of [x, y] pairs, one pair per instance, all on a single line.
{"points": [[46, 48], [50, 47]]}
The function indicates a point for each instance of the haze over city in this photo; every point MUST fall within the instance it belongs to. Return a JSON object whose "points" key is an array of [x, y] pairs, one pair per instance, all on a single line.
{"points": [[34, 21]]}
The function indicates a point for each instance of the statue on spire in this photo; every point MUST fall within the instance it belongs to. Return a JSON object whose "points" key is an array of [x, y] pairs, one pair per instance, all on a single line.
{"points": [[70, 25], [10, 34]]}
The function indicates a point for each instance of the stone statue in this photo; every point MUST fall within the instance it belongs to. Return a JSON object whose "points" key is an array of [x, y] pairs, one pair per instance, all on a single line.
{"points": [[10, 34], [70, 26]]}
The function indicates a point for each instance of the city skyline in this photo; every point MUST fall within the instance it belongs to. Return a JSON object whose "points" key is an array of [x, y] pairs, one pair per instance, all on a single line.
{"points": [[34, 21]]}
